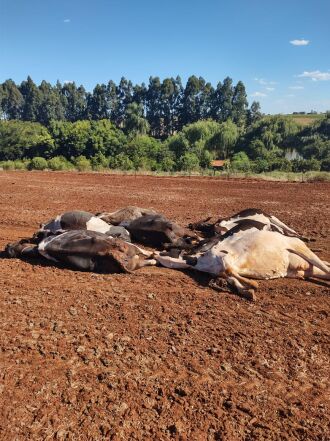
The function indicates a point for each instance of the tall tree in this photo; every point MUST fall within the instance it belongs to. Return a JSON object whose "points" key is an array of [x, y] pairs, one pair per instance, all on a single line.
{"points": [[75, 101], [98, 103], [124, 93], [154, 106], [254, 113], [222, 106], [11, 100], [239, 105], [51, 106], [140, 95], [112, 100], [191, 101], [32, 100], [171, 96]]}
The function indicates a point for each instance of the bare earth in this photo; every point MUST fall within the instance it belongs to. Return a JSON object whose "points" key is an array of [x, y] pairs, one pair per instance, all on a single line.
{"points": [[157, 355]]}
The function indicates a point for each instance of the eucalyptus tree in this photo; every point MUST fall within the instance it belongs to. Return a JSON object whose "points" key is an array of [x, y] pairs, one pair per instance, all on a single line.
{"points": [[75, 101], [11, 100], [254, 113], [154, 106], [222, 100], [124, 96], [32, 100], [51, 106], [98, 103], [194, 100], [239, 105], [171, 96]]}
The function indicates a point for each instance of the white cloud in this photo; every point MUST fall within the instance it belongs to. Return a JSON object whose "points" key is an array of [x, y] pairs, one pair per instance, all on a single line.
{"points": [[259, 94], [67, 20], [316, 75], [271, 89], [264, 82], [296, 87], [301, 42], [68, 81]]}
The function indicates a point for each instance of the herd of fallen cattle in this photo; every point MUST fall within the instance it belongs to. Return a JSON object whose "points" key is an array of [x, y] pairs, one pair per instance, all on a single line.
{"points": [[239, 249]]}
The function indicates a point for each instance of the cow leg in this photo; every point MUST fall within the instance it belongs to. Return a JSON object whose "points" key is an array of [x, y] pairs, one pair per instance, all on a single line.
{"points": [[243, 291], [316, 273], [138, 262], [302, 267], [243, 287]]}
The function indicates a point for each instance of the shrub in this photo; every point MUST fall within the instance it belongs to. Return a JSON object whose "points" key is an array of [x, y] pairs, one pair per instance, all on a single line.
{"points": [[59, 163], [319, 177], [205, 159], [281, 164], [82, 163], [167, 164], [8, 165], [241, 162], [99, 162], [260, 166], [20, 165], [325, 164], [38, 163], [189, 162], [305, 165], [122, 162]]}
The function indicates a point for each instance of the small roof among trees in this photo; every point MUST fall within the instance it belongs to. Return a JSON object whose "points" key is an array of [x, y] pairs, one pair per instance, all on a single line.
{"points": [[218, 163]]}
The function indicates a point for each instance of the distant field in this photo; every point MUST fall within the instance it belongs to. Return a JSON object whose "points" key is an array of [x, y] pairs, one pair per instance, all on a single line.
{"points": [[305, 120]]}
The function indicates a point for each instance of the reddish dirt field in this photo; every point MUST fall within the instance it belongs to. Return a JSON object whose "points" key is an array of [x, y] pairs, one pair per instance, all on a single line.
{"points": [[157, 355]]}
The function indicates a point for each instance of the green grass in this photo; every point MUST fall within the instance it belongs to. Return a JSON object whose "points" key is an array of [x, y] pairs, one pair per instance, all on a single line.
{"points": [[305, 120], [312, 176]]}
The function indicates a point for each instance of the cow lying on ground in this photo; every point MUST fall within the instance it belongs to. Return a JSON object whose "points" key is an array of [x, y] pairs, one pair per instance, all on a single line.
{"points": [[125, 215], [85, 250], [221, 226], [80, 220], [252, 253], [150, 228], [157, 231]]}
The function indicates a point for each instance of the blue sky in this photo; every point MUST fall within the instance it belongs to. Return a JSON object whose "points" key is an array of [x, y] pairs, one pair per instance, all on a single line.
{"points": [[279, 49]]}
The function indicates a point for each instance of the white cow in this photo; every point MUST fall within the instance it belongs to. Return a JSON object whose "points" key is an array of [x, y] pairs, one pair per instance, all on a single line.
{"points": [[81, 220], [271, 222], [255, 254], [249, 215]]}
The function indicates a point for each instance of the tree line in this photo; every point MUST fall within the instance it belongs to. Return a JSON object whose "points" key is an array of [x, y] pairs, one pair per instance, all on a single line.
{"points": [[262, 146], [160, 108], [163, 126]]}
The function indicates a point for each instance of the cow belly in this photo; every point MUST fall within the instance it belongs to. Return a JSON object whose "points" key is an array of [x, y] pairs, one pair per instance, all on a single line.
{"points": [[79, 262], [263, 264]]}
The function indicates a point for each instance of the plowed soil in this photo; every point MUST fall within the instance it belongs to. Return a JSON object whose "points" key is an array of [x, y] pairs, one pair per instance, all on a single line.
{"points": [[157, 355]]}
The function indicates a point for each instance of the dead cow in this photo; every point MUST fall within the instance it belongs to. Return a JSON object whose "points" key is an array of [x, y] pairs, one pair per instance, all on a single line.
{"points": [[85, 250], [125, 215], [222, 226], [256, 254], [80, 220], [157, 231]]}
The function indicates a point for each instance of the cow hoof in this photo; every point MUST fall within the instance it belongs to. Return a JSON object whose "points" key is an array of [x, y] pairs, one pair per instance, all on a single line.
{"points": [[219, 285], [249, 294]]}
